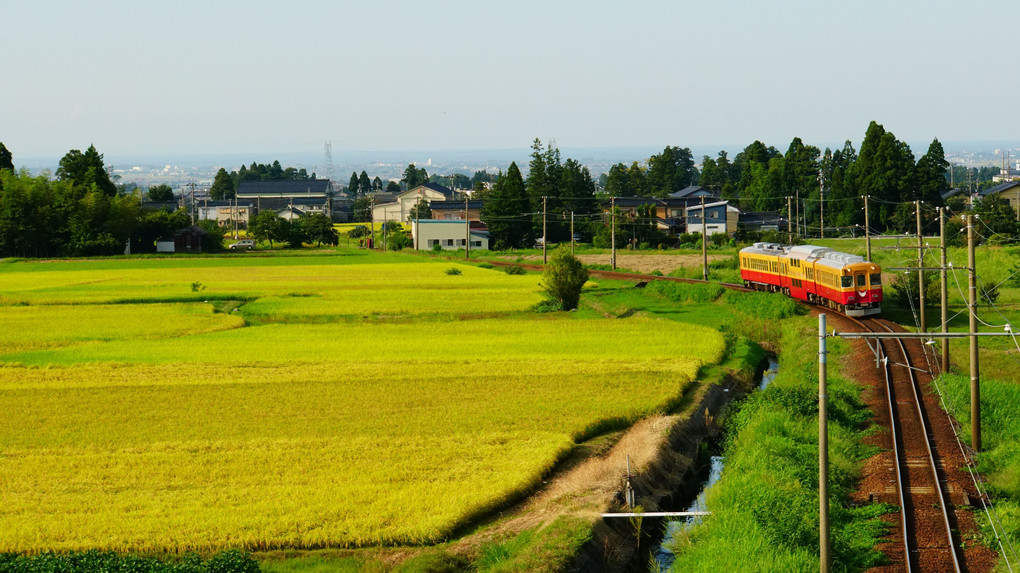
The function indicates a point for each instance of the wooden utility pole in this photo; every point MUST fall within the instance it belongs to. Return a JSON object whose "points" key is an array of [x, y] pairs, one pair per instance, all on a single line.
{"points": [[867, 228], [789, 226], [823, 451], [612, 231], [704, 240], [920, 266], [975, 385], [545, 240], [467, 229], [386, 219], [417, 222], [944, 284]]}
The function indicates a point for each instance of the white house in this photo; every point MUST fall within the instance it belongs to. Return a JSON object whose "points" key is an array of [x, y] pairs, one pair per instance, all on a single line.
{"points": [[449, 235], [402, 206], [721, 217]]}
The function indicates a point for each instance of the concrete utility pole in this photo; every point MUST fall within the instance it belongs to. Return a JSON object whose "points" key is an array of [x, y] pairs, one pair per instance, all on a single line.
{"points": [[823, 451], [975, 383], [944, 284], [920, 265], [467, 229], [612, 231], [797, 202], [417, 223], [789, 227], [821, 202], [867, 228], [386, 219], [545, 259], [704, 240], [571, 233]]}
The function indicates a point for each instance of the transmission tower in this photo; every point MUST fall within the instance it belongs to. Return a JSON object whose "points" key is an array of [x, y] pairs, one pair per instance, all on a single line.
{"points": [[329, 161]]}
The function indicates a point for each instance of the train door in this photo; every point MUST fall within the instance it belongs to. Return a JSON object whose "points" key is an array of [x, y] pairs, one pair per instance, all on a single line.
{"points": [[861, 285]]}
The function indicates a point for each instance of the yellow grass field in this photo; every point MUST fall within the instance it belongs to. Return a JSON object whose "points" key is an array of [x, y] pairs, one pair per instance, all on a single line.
{"points": [[166, 427]]}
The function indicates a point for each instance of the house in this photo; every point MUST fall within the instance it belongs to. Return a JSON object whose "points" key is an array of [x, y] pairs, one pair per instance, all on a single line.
{"points": [[720, 217], [402, 204], [1010, 191], [308, 196], [225, 212], [188, 240], [454, 210], [448, 234], [762, 221]]}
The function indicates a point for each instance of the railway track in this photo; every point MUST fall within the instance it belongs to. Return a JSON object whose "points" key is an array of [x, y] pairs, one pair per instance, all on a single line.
{"points": [[927, 517]]}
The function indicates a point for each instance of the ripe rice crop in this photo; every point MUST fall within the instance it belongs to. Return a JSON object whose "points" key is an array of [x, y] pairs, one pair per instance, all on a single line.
{"points": [[166, 427]]}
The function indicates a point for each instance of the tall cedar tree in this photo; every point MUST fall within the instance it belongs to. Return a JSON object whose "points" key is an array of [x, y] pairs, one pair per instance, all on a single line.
{"points": [[86, 169], [222, 187], [504, 211], [6, 157]]}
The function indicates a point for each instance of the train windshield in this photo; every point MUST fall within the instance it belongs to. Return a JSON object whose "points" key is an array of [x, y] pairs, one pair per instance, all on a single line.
{"points": [[847, 282], [861, 280], [876, 280]]}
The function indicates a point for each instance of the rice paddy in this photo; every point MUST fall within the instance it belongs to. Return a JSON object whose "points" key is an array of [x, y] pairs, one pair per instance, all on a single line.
{"points": [[347, 400]]}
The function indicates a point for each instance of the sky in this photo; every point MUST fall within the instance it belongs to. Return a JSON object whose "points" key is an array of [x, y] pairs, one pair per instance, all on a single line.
{"points": [[192, 77]]}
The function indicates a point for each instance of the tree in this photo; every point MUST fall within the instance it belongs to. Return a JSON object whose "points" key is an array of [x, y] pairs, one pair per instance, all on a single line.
{"points": [[6, 158], [563, 279], [266, 226], [160, 193], [884, 170], [85, 170], [504, 211], [670, 171], [352, 187], [414, 177], [222, 187], [319, 229], [364, 183], [420, 210], [617, 182], [361, 209], [930, 174], [377, 184], [393, 187]]}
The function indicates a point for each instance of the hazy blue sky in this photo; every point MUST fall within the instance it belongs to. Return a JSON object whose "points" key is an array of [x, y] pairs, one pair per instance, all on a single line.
{"points": [[187, 77]]}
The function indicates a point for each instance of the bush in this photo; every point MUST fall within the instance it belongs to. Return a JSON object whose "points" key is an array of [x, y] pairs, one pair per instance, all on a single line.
{"points": [[437, 248], [515, 270], [397, 241], [358, 232], [563, 279], [232, 561], [452, 271]]}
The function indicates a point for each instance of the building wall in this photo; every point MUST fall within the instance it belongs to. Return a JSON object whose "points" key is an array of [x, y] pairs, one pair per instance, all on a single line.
{"points": [[449, 235]]}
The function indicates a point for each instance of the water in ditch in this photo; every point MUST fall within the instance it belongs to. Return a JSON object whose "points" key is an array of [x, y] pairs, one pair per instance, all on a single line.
{"points": [[662, 556]]}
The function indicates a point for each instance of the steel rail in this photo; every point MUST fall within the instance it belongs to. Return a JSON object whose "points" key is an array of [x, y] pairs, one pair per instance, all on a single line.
{"points": [[928, 447]]}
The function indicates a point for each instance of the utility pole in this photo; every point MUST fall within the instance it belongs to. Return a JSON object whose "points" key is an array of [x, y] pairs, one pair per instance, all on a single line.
{"points": [[545, 259], [571, 233], [943, 283], [704, 240], [372, 219], [823, 451], [386, 219], [417, 223], [867, 228], [467, 229], [975, 384], [798, 212], [789, 227], [920, 265], [821, 202], [612, 231]]}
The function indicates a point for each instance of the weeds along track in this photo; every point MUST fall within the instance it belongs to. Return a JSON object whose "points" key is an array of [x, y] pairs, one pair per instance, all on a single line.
{"points": [[927, 518]]}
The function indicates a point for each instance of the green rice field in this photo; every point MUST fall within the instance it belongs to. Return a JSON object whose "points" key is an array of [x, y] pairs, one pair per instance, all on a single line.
{"points": [[332, 400]]}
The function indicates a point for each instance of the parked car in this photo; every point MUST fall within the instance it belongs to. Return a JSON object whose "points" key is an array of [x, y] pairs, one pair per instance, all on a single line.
{"points": [[245, 244]]}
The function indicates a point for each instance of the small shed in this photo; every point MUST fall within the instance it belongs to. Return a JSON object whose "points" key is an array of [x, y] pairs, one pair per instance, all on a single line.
{"points": [[188, 240]]}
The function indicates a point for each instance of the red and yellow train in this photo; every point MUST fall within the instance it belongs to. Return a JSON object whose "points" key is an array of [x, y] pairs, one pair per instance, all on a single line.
{"points": [[819, 275]]}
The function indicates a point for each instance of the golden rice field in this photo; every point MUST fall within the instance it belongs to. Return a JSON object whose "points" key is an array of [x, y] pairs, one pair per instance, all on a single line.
{"points": [[169, 427]]}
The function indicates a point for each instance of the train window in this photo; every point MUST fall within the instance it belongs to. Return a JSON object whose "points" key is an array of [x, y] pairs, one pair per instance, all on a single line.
{"points": [[876, 280], [861, 281], [847, 282]]}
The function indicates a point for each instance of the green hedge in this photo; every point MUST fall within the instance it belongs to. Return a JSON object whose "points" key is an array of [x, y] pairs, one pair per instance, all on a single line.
{"points": [[232, 561]]}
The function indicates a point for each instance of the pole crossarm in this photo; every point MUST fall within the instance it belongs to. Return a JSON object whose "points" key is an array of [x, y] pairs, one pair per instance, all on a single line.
{"points": [[921, 268], [924, 335]]}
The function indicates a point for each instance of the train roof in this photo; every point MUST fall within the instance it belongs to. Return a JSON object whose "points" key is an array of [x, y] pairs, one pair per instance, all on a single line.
{"points": [[820, 255]]}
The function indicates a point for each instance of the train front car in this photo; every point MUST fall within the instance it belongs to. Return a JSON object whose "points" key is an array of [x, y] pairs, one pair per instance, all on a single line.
{"points": [[852, 285]]}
